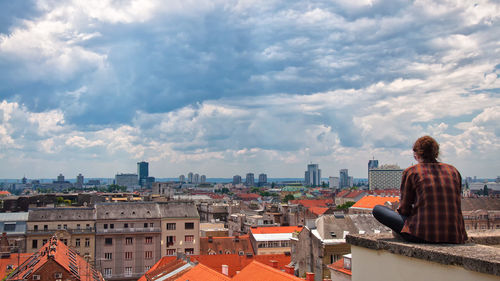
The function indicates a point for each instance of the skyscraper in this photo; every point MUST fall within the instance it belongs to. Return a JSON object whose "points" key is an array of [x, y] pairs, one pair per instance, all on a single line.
{"points": [[196, 178], [182, 178], [190, 177], [262, 179], [203, 179], [312, 175], [249, 181], [236, 179], [344, 179], [142, 172], [372, 164], [79, 181]]}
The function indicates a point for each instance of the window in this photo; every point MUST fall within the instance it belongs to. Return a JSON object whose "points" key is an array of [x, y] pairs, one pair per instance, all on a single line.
{"points": [[45, 227], [151, 224], [36, 277], [35, 227], [128, 271], [108, 272], [128, 255], [77, 242], [58, 226], [148, 254], [125, 225], [65, 241], [87, 226], [170, 240], [108, 256], [87, 242], [170, 252], [108, 241], [65, 226], [149, 240], [9, 227], [171, 226], [189, 225], [189, 251], [189, 238], [112, 225], [105, 226], [44, 241], [78, 226], [58, 275], [147, 267], [145, 224], [34, 244], [128, 240]]}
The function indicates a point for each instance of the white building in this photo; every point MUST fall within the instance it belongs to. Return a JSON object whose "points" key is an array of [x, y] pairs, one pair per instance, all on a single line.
{"points": [[333, 182], [196, 178], [131, 181]]}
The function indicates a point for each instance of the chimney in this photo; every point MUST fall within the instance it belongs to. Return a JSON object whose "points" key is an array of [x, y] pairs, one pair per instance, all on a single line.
{"points": [[309, 276], [274, 263], [225, 269], [289, 269]]}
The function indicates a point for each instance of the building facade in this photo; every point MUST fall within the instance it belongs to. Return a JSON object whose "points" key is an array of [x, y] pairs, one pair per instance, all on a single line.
{"points": [[312, 176], [385, 177], [236, 180], [250, 181], [344, 179], [128, 180], [180, 228], [143, 172], [262, 179]]}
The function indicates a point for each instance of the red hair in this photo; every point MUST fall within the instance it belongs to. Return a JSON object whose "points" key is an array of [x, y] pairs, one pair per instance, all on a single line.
{"points": [[426, 148]]}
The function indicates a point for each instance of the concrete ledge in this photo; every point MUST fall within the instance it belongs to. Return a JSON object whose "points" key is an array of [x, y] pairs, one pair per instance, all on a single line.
{"points": [[471, 256]]}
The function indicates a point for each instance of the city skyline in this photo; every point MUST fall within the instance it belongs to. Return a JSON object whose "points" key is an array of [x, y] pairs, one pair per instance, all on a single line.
{"points": [[230, 87]]}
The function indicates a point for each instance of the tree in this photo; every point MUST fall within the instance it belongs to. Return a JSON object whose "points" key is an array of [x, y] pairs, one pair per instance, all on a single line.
{"points": [[485, 190], [273, 185], [287, 198], [346, 205]]}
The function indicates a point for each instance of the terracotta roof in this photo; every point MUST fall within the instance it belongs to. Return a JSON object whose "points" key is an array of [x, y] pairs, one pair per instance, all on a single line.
{"points": [[4, 192], [368, 202], [11, 263], [234, 262], [354, 193], [202, 273], [343, 193], [57, 251], [248, 196], [313, 203], [318, 210], [481, 203], [275, 229], [339, 266], [223, 245], [257, 271]]}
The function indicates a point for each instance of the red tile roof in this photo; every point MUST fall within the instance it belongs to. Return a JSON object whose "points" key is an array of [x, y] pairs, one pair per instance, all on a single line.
{"points": [[202, 272], [318, 210], [313, 203], [4, 192], [220, 245], [370, 201], [12, 262], [60, 253], [158, 267], [339, 266], [275, 229], [248, 196], [257, 271], [343, 193], [354, 193]]}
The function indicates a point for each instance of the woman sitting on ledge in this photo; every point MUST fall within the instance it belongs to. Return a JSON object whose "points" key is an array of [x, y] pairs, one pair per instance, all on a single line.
{"points": [[430, 209]]}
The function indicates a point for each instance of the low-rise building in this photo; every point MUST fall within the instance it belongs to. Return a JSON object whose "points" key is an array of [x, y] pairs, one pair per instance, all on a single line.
{"points": [[366, 204], [273, 239], [14, 226]]}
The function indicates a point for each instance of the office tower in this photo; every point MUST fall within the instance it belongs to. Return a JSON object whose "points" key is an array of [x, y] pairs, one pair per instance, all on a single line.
{"points": [[312, 176], [79, 181], [196, 178], [249, 181], [182, 178], [60, 178], [262, 179], [190, 177], [385, 177], [344, 179], [143, 172], [236, 179], [203, 179]]}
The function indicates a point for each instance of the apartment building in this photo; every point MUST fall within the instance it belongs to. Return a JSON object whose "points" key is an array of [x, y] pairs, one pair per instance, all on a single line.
{"points": [[180, 228], [72, 226], [127, 237]]}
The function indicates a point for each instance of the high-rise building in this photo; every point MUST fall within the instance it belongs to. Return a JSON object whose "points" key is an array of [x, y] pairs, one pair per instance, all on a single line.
{"points": [[312, 175], [128, 180], [60, 178], [262, 179], [236, 180], [385, 177], [203, 179], [196, 178], [182, 178], [249, 181], [333, 182], [143, 172], [344, 179], [79, 181], [190, 177]]}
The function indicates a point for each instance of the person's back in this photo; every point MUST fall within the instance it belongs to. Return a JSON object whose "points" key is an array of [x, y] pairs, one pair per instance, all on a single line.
{"points": [[430, 199]]}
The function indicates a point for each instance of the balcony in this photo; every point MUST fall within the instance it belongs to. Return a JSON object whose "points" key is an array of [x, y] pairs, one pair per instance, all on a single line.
{"points": [[129, 230], [90, 230]]}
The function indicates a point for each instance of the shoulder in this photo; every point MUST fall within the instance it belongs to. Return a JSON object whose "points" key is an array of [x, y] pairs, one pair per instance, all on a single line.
{"points": [[411, 169]]}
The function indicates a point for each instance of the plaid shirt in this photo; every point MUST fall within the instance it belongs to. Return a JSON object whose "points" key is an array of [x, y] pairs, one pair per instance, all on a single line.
{"points": [[430, 198]]}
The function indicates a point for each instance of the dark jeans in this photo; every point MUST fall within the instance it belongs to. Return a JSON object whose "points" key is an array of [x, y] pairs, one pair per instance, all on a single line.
{"points": [[394, 221]]}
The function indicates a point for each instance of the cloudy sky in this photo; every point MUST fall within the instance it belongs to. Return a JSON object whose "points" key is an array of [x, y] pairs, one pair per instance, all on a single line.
{"points": [[225, 87]]}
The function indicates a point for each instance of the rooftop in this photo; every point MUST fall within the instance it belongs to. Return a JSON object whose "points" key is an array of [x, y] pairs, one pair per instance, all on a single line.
{"points": [[369, 202], [275, 229]]}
